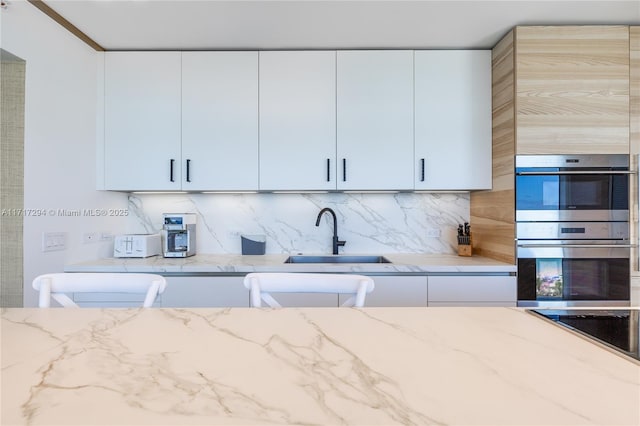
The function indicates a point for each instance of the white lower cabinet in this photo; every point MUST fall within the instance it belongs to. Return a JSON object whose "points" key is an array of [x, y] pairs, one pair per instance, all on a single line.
{"points": [[396, 291], [306, 300], [201, 292], [389, 291], [472, 304], [486, 290], [111, 300]]}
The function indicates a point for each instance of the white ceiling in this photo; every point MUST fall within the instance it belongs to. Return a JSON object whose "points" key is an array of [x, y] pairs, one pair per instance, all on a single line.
{"points": [[305, 24]]}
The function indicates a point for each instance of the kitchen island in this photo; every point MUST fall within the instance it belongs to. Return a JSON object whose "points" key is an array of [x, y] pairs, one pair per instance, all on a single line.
{"points": [[307, 366]]}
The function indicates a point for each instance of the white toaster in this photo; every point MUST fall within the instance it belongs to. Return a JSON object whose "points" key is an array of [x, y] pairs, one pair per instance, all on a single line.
{"points": [[137, 245]]}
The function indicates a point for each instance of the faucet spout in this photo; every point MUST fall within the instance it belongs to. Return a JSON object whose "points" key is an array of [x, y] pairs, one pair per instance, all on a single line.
{"points": [[336, 242]]}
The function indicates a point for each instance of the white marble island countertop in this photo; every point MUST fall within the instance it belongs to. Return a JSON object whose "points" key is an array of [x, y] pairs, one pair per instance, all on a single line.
{"points": [[329, 366], [239, 264]]}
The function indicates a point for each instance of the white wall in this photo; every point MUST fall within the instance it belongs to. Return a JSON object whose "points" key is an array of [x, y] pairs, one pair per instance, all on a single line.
{"points": [[60, 141]]}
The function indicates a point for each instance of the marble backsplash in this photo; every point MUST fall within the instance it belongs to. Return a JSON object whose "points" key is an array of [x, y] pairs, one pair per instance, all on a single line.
{"points": [[370, 223]]}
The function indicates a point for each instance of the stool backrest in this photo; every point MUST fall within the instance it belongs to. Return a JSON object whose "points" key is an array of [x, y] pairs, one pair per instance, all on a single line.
{"points": [[261, 284], [54, 286]]}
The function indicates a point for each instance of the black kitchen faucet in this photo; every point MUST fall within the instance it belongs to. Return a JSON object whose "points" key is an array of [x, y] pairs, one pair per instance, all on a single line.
{"points": [[336, 243]]}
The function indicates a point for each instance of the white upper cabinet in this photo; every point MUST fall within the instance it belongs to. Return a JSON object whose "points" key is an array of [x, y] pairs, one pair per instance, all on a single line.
{"points": [[219, 121], [453, 119], [375, 120], [355, 120], [142, 121], [298, 120]]}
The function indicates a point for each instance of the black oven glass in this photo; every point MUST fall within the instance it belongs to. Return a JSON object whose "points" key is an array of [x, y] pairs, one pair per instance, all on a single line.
{"points": [[571, 191], [545, 279]]}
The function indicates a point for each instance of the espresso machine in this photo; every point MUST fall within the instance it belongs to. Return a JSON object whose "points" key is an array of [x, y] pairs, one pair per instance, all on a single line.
{"points": [[179, 234]]}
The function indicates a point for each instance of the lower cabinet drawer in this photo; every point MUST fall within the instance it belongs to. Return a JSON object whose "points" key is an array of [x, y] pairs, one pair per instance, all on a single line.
{"points": [[306, 300], [479, 290], [111, 300], [416, 291], [408, 291], [202, 292], [472, 304]]}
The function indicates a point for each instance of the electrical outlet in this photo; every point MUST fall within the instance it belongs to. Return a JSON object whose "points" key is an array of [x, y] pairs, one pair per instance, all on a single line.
{"points": [[54, 241], [106, 236], [433, 232], [90, 237]]}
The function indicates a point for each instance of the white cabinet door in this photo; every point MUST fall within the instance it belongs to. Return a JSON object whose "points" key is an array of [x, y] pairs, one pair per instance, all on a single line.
{"points": [[219, 121], [306, 300], [201, 292], [396, 291], [499, 290], [112, 300], [375, 120], [453, 119], [298, 120], [142, 121]]}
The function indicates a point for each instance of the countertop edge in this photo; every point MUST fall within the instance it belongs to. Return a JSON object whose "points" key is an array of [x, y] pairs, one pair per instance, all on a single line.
{"points": [[402, 264]]}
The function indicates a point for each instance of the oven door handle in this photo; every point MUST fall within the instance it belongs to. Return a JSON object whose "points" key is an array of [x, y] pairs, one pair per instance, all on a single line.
{"points": [[578, 245], [582, 172]]}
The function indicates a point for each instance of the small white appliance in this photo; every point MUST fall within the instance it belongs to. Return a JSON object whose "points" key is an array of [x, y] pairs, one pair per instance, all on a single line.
{"points": [[179, 234], [137, 245]]}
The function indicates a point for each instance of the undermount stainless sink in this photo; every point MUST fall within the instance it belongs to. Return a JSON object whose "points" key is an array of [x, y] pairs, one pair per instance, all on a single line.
{"points": [[336, 259]]}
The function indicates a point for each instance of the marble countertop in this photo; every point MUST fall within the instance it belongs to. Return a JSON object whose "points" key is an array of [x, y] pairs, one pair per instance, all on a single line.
{"points": [[497, 366], [231, 264]]}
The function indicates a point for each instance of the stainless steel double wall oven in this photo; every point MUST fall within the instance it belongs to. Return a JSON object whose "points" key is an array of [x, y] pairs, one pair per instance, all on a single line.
{"points": [[572, 230]]}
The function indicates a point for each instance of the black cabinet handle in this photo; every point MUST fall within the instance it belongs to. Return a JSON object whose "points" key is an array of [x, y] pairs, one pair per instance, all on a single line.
{"points": [[328, 170], [188, 169], [422, 170], [344, 169], [171, 170]]}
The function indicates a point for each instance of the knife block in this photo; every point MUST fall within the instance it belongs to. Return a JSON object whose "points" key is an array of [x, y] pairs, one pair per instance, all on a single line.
{"points": [[464, 245]]}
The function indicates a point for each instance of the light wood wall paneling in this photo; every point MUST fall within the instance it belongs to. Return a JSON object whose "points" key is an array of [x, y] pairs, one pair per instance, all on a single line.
{"points": [[634, 89], [503, 117], [493, 212], [572, 92], [496, 240], [634, 136]]}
